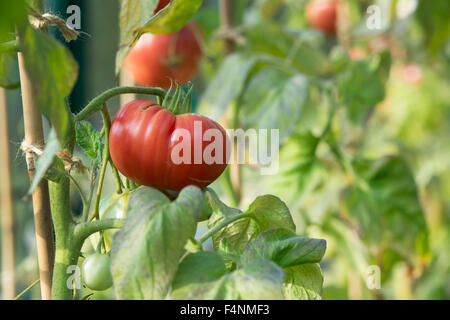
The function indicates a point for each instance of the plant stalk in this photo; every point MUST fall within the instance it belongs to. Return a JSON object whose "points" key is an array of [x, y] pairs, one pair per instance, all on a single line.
{"points": [[65, 255], [222, 225], [98, 102]]}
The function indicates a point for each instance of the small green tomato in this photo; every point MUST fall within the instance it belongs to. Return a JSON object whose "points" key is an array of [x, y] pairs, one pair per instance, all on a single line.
{"points": [[96, 273]]}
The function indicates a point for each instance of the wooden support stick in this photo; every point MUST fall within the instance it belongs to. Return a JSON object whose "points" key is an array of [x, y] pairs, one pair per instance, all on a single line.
{"points": [[7, 213], [41, 203]]}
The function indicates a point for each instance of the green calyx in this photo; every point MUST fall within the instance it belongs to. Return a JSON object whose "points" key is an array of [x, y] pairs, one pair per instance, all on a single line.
{"points": [[180, 101]]}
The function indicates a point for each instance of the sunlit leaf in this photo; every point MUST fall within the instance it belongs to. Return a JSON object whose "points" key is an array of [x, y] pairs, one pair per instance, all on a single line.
{"points": [[147, 249], [303, 282], [284, 248], [296, 50], [227, 85], [266, 212], [362, 85], [389, 212], [172, 18], [89, 140], [298, 157], [274, 100], [203, 276]]}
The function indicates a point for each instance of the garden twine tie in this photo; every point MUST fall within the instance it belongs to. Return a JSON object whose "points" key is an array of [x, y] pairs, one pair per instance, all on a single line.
{"points": [[43, 21]]}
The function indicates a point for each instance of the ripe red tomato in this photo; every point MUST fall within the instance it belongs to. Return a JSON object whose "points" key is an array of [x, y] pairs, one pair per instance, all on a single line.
{"points": [[144, 138], [161, 5], [157, 58], [321, 15]]}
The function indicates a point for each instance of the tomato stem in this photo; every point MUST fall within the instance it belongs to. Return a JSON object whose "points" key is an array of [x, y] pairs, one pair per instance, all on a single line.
{"points": [[222, 225], [20, 295], [106, 122], [84, 230], [97, 103], [107, 126]]}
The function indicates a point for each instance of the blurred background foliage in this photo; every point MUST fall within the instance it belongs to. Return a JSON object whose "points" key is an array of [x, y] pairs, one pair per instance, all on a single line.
{"points": [[376, 186]]}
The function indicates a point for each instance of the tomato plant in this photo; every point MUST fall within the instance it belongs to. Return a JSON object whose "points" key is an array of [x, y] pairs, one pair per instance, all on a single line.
{"points": [[142, 126], [158, 59], [333, 165]]}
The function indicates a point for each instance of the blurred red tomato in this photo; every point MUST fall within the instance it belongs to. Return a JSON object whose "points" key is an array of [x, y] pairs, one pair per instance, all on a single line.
{"points": [[157, 58], [412, 74], [321, 15], [357, 53]]}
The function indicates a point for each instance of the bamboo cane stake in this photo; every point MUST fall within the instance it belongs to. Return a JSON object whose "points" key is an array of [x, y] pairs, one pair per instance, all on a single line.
{"points": [[7, 215], [41, 204]]}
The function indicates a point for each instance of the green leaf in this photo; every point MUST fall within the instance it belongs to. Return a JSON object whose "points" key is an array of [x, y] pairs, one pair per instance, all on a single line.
{"points": [[229, 254], [12, 14], [203, 276], [303, 282], [218, 206], [8, 66], [53, 72], [389, 212], [227, 85], [132, 15], [362, 85], [199, 267], [172, 18], [259, 280], [433, 17], [296, 49], [45, 160], [90, 140], [284, 248], [147, 249], [274, 99], [298, 157], [265, 213]]}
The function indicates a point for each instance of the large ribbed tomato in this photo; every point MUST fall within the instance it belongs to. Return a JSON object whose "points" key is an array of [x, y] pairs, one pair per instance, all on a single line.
{"points": [[156, 59], [145, 137], [321, 15]]}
